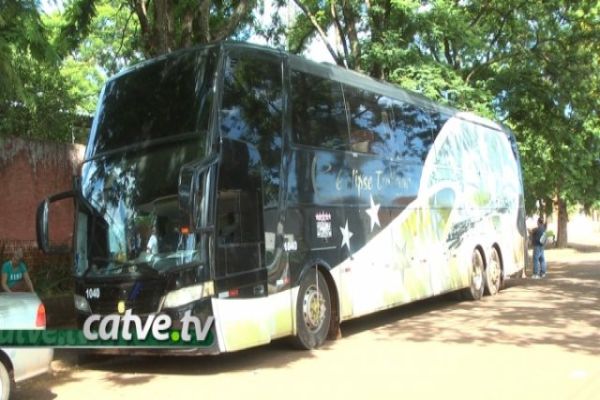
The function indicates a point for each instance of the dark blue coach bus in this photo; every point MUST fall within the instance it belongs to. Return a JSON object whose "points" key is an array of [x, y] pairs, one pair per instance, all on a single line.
{"points": [[282, 197]]}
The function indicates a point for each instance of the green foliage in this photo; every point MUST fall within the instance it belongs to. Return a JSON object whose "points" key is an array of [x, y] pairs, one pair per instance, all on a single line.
{"points": [[164, 25], [532, 65], [21, 33], [33, 99], [41, 114], [53, 276], [111, 44]]}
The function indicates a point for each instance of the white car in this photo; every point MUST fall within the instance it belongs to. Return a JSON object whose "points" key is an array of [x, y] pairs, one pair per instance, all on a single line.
{"points": [[21, 311]]}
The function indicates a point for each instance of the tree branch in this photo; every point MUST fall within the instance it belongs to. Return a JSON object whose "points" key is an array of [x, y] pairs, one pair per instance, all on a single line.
{"points": [[118, 52], [340, 31], [139, 7], [322, 34], [448, 52], [242, 9], [350, 19], [203, 18]]}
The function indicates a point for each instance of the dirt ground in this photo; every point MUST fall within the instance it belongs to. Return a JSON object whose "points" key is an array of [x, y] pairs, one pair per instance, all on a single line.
{"points": [[537, 339]]}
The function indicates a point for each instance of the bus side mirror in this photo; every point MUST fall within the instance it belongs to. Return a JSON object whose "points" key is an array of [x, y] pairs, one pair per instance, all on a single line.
{"points": [[194, 182], [185, 188], [49, 241]]}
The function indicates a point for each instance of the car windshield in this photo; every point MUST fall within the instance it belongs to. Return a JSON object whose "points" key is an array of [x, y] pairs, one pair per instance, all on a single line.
{"points": [[151, 121]]}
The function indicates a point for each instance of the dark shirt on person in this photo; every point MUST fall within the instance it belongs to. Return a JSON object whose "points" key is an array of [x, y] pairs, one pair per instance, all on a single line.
{"points": [[537, 235]]}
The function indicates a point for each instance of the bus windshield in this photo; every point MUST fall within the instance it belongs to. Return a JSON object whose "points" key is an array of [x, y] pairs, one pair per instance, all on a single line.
{"points": [[161, 99], [150, 123]]}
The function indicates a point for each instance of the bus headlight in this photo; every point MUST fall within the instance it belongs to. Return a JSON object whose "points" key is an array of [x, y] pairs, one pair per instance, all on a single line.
{"points": [[186, 295], [82, 304]]}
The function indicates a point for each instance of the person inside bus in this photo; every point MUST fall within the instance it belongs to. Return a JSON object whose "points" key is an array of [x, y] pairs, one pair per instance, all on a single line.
{"points": [[538, 240], [14, 274], [152, 246]]}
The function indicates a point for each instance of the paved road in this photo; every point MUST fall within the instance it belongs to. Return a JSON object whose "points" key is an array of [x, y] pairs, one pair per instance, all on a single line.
{"points": [[538, 339]]}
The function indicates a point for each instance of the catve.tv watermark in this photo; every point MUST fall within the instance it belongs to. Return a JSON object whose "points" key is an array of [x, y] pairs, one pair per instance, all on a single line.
{"points": [[114, 330], [129, 325]]}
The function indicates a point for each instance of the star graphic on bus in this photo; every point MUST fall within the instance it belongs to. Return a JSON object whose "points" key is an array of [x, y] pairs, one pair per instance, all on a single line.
{"points": [[373, 212], [346, 235]]}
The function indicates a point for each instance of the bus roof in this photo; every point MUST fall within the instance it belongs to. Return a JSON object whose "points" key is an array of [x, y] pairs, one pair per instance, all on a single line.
{"points": [[339, 74]]}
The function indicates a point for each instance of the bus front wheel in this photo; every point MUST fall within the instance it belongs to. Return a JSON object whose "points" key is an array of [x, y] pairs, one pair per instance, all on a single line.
{"points": [[313, 311], [475, 290]]}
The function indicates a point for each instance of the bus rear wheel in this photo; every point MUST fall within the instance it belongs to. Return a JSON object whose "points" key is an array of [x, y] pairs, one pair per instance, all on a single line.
{"points": [[475, 290], [313, 311], [493, 274]]}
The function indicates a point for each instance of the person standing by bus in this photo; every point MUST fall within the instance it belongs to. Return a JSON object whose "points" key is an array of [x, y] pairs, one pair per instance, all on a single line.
{"points": [[539, 240], [14, 274]]}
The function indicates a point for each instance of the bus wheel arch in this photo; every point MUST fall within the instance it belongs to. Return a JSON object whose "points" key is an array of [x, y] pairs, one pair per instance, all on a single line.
{"points": [[334, 324], [477, 275], [317, 308], [494, 271]]}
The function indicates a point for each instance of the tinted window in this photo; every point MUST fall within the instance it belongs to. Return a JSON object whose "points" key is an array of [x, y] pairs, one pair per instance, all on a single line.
{"points": [[167, 97], [318, 112], [370, 129], [414, 129], [252, 105], [134, 197], [252, 112], [238, 211]]}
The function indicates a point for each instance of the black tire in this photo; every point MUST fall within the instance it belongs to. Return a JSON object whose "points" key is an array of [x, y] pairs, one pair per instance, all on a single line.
{"points": [[475, 291], [313, 311], [5, 382], [493, 274]]}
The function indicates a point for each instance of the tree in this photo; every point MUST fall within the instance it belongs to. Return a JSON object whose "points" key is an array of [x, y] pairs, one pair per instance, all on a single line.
{"points": [[551, 97], [112, 44], [21, 33], [166, 25], [34, 101], [533, 65]]}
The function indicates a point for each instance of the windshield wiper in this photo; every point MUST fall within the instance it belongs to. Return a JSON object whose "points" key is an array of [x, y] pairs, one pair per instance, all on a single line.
{"points": [[124, 267]]}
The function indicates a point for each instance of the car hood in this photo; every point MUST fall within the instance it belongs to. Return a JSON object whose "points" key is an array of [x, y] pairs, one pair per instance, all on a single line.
{"points": [[18, 310]]}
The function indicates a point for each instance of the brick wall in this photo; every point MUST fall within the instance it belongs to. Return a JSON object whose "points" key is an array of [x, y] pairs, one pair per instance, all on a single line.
{"points": [[29, 172], [33, 257]]}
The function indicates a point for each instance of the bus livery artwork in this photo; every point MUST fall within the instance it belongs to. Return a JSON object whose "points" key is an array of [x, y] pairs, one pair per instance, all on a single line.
{"points": [[279, 197]]}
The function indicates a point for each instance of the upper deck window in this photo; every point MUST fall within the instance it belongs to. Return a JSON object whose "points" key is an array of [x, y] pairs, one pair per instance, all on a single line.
{"points": [[318, 112], [165, 98], [370, 130]]}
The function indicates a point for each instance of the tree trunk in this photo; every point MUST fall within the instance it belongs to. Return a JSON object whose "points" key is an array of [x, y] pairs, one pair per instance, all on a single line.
{"points": [[563, 218]]}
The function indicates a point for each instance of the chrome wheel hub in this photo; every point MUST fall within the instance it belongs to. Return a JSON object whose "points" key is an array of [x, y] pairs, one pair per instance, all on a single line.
{"points": [[313, 308], [477, 277]]}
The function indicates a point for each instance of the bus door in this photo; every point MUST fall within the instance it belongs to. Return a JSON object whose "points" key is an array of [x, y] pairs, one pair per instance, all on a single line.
{"points": [[240, 277], [248, 248]]}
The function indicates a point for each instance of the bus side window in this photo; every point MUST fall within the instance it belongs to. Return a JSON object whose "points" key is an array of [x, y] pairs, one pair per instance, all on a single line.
{"points": [[318, 112], [413, 134], [369, 121]]}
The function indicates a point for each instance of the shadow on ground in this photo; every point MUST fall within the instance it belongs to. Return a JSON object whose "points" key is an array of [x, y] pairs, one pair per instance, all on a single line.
{"points": [[561, 310], [40, 388]]}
